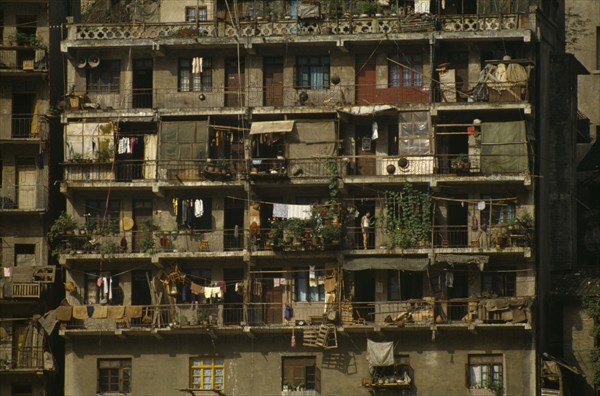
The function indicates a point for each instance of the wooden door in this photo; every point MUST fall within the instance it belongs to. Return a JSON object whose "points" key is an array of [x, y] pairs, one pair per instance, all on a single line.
{"points": [[142, 218], [142, 83], [273, 299], [366, 77], [26, 186], [234, 82], [365, 150], [273, 81]]}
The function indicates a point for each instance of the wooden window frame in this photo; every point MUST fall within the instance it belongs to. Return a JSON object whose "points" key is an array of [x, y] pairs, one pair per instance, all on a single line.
{"points": [[489, 362], [200, 82], [109, 70], [106, 369], [196, 14], [300, 367], [313, 65], [198, 369]]}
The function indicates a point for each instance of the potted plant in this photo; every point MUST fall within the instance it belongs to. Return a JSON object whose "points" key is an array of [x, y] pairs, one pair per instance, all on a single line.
{"points": [[294, 228], [364, 8], [276, 232], [63, 225], [460, 163], [331, 233]]}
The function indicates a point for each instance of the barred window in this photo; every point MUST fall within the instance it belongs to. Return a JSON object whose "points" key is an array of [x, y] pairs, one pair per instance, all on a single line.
{"points": [[195, 82]]}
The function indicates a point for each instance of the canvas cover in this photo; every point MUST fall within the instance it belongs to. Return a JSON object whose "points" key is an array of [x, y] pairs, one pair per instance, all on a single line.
{"points": [[503, 147], [380, 353]]}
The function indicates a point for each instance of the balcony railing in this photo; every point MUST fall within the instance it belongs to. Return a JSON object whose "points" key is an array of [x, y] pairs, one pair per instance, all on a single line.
{"points": [[26, 358], [91, 241], [22, 58], [408, 313], [22, 126], [23, 197], [289, 27]]}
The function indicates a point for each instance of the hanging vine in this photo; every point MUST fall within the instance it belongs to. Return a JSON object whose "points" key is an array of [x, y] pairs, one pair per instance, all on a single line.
{"points": [[591, 305], [406, 217]]}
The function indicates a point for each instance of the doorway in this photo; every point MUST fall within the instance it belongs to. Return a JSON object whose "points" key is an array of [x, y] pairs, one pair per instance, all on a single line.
{"points": [[26, 189], [273, 81], [234, 82], [233, 312], [142, 224], [142, 84], [140, 290], [23, 109], [272, 296], [365, 151], [364, 293], [233, 238], [457, 288]]}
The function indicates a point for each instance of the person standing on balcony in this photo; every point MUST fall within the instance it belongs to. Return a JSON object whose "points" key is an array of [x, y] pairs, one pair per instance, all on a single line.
{"points": [[365, 224]]}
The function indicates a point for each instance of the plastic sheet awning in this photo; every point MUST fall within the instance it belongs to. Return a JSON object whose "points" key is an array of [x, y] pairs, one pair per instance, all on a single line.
{"points": [[271, 127]]}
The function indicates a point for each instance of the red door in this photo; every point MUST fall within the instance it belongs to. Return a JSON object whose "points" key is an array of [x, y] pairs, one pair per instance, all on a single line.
{"points": [[366, 77], [273, 81]]}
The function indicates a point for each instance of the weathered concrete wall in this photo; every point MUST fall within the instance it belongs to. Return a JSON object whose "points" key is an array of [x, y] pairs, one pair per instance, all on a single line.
{"points": [[578, 344], [253, 366], [174, 10]]}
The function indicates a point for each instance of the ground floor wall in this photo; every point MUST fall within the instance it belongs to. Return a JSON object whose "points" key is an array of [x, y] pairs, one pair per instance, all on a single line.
{"points": [[253, 362]]}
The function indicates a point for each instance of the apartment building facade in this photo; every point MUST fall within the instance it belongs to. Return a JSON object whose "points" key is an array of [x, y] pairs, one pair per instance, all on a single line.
{"points": [[27, 358], [293, 197]]}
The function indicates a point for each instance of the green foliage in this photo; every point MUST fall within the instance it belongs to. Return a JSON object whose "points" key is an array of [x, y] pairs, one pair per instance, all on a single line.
{"points": [[591, 304], [330, 233], [105, 152], [63, 223], [147, 245], [27, 40], [407, 216], [495, 387], [109, 247], [295, 226]]}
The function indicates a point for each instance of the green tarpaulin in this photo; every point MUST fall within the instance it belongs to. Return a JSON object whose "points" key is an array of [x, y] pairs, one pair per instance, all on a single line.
{"points": [[503, 147]]}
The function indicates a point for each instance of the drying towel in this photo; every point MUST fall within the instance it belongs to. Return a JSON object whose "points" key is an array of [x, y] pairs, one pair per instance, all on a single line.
{"points": [[133, 311], [90, 311], [198, 208], [312, 276], [115, 311], [211, 292], [64, 313], [197, 289], [299, 211], [100, 312], [280, 210], [80, 312]]}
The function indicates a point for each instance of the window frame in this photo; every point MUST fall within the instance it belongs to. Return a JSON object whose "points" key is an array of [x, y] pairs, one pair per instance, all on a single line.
{"points": [[124, 369], [412, 141], [196, 14], [503, 284], [502, 213], [488, 362], [190, 82], [113, 213], [409, 76], [308, 69], [304, 371], [109, 69], [311, 294], [202, 367]]}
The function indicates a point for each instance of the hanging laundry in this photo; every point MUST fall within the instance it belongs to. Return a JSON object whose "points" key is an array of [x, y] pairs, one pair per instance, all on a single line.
{"points": [[196, 289], [174, 203], [198, 208], [374, 131], [197, 65], [122, 145], [7, 272], [449, 279], [222, 285], [236, 231], [276, 282], [283, 281], [312, 276], [421, 6], [110, 296], [280, 210], [99, 282], [299, 211]]}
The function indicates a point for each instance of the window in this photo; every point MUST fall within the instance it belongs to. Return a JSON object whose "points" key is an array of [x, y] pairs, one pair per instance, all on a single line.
{"points": [[207, 373], [101, 217], [401, 373], [193, 14], [309, 288], [410, 74], [499, 212], [105, 78], [24, 255], [114, 376], [414, 134], [186, 213], [196, 82], [312, 72], [300, 373], [485, 371], [501, 284], [404, 285]]}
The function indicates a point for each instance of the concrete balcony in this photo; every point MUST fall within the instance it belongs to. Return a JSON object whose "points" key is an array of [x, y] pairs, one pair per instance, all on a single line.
{"points": [[22, 61], [21, 361], [23, 127], [471, 313], [314, 29], [23, 198]]}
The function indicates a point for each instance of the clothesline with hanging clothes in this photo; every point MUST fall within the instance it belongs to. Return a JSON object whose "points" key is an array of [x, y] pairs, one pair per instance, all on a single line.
{"points": [[125, 145]]}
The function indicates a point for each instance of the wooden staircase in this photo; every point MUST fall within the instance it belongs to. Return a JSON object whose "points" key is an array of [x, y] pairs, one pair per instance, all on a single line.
{"points": [[324, 337]]}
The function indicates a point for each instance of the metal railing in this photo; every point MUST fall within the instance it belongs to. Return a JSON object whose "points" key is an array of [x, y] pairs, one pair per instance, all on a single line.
{"points": [[413, 312], [23, 197], [84, 241], [22, 58]]}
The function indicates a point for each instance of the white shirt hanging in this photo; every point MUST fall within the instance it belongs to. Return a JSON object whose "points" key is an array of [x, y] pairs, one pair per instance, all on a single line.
{"points": [[374, 131]]}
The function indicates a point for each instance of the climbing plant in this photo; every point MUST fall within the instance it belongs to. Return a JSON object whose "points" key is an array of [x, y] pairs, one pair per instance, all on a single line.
{"points": [[334, 185], [591, 305], [406, 217]]}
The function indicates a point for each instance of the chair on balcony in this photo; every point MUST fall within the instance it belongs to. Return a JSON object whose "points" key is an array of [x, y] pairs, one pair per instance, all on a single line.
{"points": [[203, 246]]}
